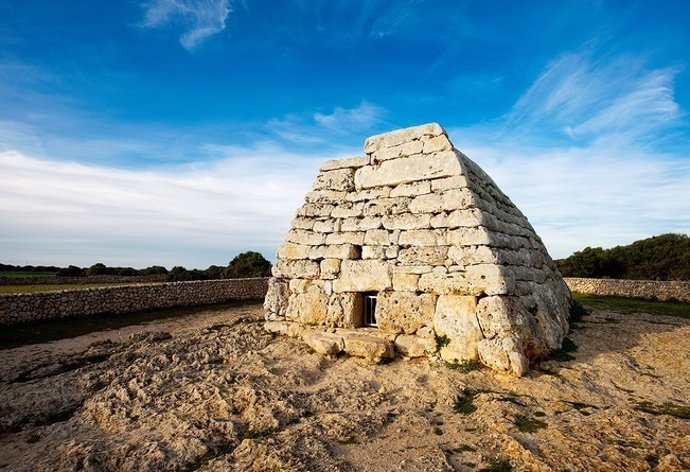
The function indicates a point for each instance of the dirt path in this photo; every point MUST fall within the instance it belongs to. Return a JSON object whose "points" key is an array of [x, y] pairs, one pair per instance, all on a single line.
{"points": [[217, 393]]}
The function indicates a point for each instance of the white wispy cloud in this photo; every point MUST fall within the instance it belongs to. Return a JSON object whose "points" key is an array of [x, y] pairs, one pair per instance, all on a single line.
{"points": [[201, 214], [311, 128], [199, 19], [583, 98]]}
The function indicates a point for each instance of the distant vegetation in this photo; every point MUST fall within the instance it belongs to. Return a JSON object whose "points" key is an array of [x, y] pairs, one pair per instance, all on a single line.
{"points": [[247, 264], [664, 257]]}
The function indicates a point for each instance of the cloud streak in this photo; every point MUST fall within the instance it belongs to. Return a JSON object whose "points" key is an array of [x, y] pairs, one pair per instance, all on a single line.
{"points": [[199, 19]]}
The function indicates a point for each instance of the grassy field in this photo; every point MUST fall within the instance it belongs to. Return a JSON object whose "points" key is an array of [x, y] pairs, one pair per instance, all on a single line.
{"points": [[678, 309], [14, 275], [55, 287]]}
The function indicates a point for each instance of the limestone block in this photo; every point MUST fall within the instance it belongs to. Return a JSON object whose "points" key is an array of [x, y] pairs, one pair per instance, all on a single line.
{"points": [[350, 237], [363, 276], [394, 138], [327, 344], [330, 268], [406, 221], [404, 312], [370, 194], [437, 144], [405, 282], [295, 269], [409, 169], [431, 255], [468, 218], [493, 315], [490, 278], [386, 206], [503, 354], [401, 150], [456, 318], [300, 222], [277, 296], [376, 237], [352, 162], [300, 285], [327, 226], [371, 348], [335, 251], [304, 236], [341, 179], [392, 252], [411, 189], [394, 235], [315, 209], [326, 196], [447, 183], [373, 252], [310, 307], [414, 345], [292, 251], [468, 255], [446, 201], [361, 224], [286, 328], [471, 237], [422, 237], [347, 210], [411, 269], [344, 310]]}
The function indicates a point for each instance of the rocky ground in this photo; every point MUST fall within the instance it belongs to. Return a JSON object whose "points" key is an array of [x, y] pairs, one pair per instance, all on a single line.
{"points": [[214, 392]]}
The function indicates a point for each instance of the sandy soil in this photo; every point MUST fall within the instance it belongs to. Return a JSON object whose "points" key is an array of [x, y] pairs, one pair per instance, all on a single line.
{"points": [[214, 392]]}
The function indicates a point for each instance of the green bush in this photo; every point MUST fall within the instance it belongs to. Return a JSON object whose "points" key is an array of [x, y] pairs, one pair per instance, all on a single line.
{"points": [[248, 264]]}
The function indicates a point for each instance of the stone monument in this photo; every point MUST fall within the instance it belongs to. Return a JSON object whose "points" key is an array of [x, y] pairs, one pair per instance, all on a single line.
{"points": [[412, 249]]}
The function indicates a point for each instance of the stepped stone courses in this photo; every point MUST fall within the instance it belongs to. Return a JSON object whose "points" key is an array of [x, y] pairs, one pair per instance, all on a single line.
{"points": [[458, 270]]}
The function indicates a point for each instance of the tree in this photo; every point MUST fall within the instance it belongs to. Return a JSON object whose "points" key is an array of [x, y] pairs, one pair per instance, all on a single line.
{"points": [[248, 264]]}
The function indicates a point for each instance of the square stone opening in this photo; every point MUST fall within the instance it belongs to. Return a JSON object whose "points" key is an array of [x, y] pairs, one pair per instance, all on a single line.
{"points": [[369, 310]]}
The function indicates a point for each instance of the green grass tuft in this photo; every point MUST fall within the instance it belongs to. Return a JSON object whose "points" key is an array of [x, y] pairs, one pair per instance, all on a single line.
{"points": [[637, 305], [497, 465], [669, 409], [441, 341], [529, 425], [464, 404], [465, 366]]}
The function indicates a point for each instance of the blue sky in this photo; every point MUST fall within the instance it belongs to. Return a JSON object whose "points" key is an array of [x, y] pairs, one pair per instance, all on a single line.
{"points": [[182, 132]]}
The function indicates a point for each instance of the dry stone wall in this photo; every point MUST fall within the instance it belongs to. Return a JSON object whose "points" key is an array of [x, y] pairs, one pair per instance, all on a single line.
{"points": [[42, 306], [652, 289], [447, 253]]}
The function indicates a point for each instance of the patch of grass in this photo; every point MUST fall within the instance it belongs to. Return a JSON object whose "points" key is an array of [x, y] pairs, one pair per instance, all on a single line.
{"points": [[41, 332], [465, 366], [539, 414], [652, 307], [438, 431], [251, 434], [669, 409], [577, 311], [497, 465], [464, 404], [529, 425], [441, 341], [464, 448]]}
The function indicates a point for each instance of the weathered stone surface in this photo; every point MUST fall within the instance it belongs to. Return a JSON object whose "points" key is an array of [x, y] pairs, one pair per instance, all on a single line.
{"points": [[301, 222], [437, 144], [404, 312], [378, 237], [347, 210], [447, 183], [397, 137], [456, 319], [414, 346], [369, 194], [386, 206], [432, 255], [310, 307], [286, 328], [406, 221], [327, 226], [335, 251], [409, 169], [304, 236], [437, 202], [401, 150], [361, 224], [350, 237], [371, 348], [411, 189], [326, 196], [327, 344], [277, 297], [405, 282], [363, 276], [295, 269], [468, 218], [422, 237], [315, 209], [292, 251], [341, 179], [344, 310], [330, 268], [352, 162], [373, 252]]}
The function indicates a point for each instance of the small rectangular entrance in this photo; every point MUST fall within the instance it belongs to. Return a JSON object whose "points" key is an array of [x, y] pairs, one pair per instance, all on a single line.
{"points": [[369, 306]]}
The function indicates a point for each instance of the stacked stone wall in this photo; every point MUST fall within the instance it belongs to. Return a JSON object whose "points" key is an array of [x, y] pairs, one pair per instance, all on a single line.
{"points": [[449, 255], [650, 289], [89, 279], [42, 306]]}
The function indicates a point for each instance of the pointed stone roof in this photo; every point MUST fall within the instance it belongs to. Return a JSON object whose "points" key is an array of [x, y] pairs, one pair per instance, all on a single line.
{"points": [[457, 269]]}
